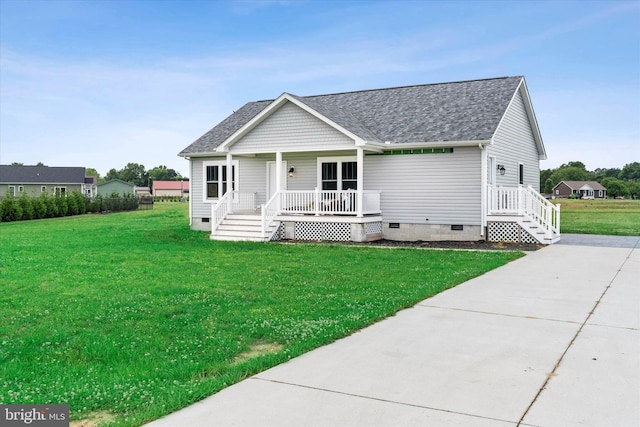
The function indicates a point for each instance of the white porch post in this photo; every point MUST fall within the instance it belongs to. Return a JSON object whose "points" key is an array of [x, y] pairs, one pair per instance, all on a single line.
{"points": [[278, 179], [360, 181], [230, 181]]}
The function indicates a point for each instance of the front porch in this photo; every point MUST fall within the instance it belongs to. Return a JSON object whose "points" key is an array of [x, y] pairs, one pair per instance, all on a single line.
{"points": [[337, 215], [518, 214]]}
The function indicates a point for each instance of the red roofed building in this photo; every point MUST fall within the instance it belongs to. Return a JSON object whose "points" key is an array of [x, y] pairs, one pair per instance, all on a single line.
{"points": [[171, 188]]}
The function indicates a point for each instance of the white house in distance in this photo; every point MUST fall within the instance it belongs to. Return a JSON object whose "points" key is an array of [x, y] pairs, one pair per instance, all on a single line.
{"points": [[448, 161]]}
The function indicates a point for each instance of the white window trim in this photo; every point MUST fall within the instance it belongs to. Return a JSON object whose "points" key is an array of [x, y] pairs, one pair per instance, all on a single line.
{"points": [[12, 190], [62, 187], [339, 160], [43, 188], [223, 162]]}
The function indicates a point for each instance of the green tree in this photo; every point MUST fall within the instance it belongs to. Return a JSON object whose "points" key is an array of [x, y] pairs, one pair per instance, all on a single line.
{"points": [[601, 173], [630, 172], [634, 189], [615, 187], [112, 174], [135, 174], [163, 173], [92, 172], [566, 173]]}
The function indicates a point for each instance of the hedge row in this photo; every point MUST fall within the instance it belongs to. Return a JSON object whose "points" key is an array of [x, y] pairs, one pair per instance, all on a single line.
{"points": [[48, 206]]}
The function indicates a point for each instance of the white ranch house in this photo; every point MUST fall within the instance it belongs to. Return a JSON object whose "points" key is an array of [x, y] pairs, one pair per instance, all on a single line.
{"points": [[448, 161]]}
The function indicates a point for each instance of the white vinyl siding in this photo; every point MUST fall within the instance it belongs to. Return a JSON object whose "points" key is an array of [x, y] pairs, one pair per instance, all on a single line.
{"points": [[290, 128], [513, 143], [445, 188]]}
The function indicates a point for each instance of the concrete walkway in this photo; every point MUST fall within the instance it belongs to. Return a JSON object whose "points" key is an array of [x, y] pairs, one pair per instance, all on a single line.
{"points": [[552, 339]]}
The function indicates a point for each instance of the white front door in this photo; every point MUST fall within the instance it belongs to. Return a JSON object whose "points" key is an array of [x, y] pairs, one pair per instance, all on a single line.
{"points": [[271, 178]]}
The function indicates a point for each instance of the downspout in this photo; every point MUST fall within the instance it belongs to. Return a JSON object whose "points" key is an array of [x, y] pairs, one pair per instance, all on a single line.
{"points": [[483, 189]]}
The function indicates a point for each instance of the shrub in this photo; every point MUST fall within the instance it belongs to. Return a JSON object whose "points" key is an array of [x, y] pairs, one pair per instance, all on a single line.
{"points": [[72, 205], [52, 206], [61, 202], [11, 210], [39, 206], [26, 205]]}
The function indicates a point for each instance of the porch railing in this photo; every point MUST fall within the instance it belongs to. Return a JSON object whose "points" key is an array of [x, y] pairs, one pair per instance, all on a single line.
{"points": [[269, 211], [525, 201], [329, 202], [232, 201]]}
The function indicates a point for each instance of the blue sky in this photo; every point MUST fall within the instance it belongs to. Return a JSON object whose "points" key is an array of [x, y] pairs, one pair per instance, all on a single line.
{"points": [[103, 83]]}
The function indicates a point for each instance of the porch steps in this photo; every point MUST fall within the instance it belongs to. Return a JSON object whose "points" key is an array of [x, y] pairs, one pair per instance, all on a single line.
{"points": [[527, 224], [242, 227], [533, 228]]}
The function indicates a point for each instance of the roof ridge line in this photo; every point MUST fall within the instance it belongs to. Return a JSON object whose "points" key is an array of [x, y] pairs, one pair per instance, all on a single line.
{"points": [[409, 86]]}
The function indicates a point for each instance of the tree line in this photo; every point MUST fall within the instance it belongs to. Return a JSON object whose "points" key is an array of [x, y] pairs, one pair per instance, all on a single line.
{"points": [[623, 182], [137, 175], [133, 173]]}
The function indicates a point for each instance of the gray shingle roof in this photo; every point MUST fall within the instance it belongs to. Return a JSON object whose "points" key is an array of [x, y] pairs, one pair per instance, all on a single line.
{"points": [[576, 185], [12, 174], [457, 111]]}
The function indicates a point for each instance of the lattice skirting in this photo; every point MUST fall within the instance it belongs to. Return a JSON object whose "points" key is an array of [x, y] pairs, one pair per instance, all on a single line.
{"points": [[329, 231], [279, 234], [338, 232], [373, 228], [508, 232]]}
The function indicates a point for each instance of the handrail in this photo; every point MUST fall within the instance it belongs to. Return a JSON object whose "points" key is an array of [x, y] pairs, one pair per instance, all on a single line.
{"points": [[230, 202], [219, 211], [268, 212], [525, 201]]}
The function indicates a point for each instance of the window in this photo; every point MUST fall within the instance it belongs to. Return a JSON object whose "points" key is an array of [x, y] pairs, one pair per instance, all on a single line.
{"points": [[12, 190], [330, 176], [60, 191], [43, 188], [20, 188], [349, 175], [520, 173], [338, 174], [216, 179]]}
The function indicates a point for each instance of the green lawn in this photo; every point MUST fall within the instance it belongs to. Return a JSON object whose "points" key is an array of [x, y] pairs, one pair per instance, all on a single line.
{"points": [[609, 217], [132, 315]]}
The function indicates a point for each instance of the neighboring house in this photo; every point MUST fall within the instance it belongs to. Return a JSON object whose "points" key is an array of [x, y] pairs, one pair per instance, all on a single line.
{"points": [[582, 189], [171, 188], [35, 180], [142, 191], [115, 186], [90, 186], [449, 161]]}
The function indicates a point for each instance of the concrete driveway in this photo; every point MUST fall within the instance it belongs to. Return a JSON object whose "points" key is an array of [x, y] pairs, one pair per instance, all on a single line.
{"points": [[551, 339]]}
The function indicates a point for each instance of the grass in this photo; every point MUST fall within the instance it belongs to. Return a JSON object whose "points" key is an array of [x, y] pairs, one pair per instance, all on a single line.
{"points": [[608, 217], [130, 316]]}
